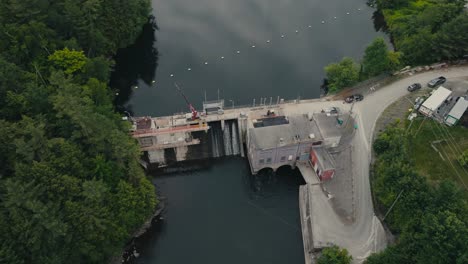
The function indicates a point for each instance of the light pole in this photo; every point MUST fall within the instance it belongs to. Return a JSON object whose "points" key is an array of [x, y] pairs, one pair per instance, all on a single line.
{"points": [[232, 101]]}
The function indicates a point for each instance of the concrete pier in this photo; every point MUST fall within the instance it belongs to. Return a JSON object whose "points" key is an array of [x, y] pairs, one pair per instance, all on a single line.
{"points": [[240, 125], [307, 237]]}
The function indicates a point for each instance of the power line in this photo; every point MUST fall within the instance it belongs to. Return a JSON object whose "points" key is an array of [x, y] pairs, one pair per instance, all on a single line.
{"points": [[448, 158], [393, 204], [451, 144]]}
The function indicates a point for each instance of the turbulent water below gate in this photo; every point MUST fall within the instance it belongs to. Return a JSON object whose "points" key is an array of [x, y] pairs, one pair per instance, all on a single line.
{"points": [[222, 214]]}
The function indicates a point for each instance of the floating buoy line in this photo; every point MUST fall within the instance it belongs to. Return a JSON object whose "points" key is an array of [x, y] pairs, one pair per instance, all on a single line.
{"points": [[297, 31]]}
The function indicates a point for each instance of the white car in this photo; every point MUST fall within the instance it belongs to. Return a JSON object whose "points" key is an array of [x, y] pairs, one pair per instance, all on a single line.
{"points": [[332, 111]]}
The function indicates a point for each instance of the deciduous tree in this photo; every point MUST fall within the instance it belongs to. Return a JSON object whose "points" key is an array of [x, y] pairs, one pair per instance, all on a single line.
{"points": [[342, 74], [334, 255]]}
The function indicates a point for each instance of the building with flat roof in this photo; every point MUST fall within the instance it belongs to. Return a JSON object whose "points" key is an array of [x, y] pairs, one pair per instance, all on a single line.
{"points": [[457, 111], [330, 128], [279, 140], [431, 105]]}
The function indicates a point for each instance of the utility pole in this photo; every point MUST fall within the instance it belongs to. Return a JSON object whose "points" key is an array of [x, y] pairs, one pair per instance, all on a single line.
{"points": [[398, 197], [349, 116]]}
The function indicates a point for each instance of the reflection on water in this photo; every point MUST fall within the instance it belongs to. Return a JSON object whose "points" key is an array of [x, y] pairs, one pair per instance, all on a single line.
{"points": [[224, 214], [192, 33], [379, 21], [136, 62]]}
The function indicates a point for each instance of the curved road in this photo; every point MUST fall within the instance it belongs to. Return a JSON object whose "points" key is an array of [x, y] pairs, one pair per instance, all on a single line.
{"points": [[366, 234]]}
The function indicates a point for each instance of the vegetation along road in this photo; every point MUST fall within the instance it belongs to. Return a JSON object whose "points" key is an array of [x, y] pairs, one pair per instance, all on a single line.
{"points": [[366, 234]]}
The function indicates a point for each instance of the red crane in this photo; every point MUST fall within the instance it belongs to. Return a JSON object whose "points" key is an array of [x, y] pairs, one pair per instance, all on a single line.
{"points": [[192, 109]]}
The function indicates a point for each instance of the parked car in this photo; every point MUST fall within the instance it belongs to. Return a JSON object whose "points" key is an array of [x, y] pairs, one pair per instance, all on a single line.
{"points": [[418, 102], [414, 87], [332, 111], [354, 98], [436, 82]]}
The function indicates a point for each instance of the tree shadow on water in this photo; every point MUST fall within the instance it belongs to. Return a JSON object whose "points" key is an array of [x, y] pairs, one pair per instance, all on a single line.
{"points": [[133, 63]]}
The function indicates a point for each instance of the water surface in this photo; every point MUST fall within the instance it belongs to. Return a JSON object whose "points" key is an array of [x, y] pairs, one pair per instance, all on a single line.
{"points": [[192, 32], [225, 215]]}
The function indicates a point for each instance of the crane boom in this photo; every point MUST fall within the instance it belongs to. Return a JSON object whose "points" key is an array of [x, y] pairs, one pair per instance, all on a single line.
{"points": [[192, 109]]}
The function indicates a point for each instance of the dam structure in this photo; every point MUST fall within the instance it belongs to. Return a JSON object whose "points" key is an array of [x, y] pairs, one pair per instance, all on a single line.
{"points": [[270, 136], [317, 136]]}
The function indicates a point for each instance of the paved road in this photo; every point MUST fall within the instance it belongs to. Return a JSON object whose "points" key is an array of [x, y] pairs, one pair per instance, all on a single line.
{"points": [[366, 234]]}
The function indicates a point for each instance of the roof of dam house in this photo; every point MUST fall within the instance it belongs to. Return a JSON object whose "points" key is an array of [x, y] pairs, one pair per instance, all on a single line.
{"points": [[284, 131], [328, 125]]}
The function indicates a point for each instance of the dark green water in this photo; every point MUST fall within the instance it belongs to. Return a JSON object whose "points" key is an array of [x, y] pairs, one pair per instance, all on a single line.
{"points": [[223, 214]]}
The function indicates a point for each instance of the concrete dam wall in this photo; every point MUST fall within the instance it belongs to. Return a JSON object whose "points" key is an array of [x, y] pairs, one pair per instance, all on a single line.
{"points": [[221, 139]]}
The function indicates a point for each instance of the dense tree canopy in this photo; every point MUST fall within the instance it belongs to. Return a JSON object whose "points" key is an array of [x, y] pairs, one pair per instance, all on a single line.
{"points": [[334, 255], [342, 74], [378, 59], [71, 188], [432, 221], [427, 31]]}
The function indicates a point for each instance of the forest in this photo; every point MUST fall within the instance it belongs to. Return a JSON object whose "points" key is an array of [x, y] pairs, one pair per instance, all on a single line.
{"points": [[71, 187], [422, 32], [426, 31], [429, 219]]}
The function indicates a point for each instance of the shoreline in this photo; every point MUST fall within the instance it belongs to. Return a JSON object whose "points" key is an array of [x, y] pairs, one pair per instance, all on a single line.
{"points": [[130, 253]]}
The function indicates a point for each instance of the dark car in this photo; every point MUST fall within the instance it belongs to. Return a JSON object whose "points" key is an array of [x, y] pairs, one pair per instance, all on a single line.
{"points": [[414, 87], [354, 98], [436, 82]]}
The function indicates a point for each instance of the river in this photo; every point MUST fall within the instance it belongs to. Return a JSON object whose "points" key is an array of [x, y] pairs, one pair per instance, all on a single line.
{"points": [[222, 214]]}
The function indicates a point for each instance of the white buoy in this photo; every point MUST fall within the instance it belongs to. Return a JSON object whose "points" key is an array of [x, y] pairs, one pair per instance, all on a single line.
{"points": [[282, 36], [172, 75], [222, 57], [116, 93], [347, 13], [334, 17], [297, 31], [359, 9], [136, 87], [310, 26], [206, 63], [323, 22], [253, 46], [153, 81], [189, 69], [238, 52], [268, 41]]}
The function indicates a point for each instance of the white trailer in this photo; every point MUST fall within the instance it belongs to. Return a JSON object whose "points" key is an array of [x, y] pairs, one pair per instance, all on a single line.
{"points": [[457, 112], [434, 101]]}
